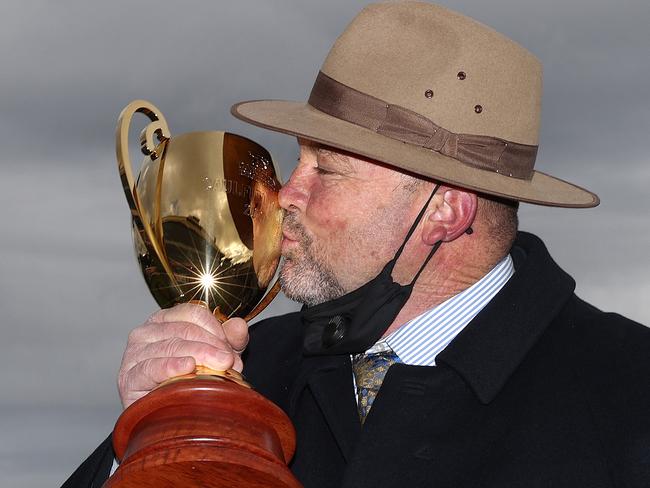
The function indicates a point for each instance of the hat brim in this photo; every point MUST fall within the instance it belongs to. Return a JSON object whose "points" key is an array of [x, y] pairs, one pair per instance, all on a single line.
{"points": [[302, 120]]}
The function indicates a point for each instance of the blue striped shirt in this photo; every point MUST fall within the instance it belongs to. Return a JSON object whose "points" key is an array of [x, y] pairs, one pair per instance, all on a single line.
{"points": [[420, 340]]}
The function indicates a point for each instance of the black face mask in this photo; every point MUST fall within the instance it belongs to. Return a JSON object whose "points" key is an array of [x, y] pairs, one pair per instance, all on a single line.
{"points": [[353, 322]]}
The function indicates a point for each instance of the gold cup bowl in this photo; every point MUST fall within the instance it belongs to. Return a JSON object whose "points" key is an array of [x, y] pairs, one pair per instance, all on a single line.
{"points": [[206, 218]]}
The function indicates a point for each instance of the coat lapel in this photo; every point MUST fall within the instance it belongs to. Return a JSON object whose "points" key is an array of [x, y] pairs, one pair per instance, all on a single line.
{"points": [[330, 381]]}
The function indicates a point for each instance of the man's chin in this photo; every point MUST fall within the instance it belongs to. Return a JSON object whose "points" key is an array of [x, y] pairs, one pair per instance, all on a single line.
{"points": [[293, 283], [287, 285], [307, 285]]}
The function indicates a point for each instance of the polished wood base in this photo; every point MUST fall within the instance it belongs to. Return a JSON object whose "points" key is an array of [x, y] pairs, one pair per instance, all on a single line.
{"points": [[203, 432]]}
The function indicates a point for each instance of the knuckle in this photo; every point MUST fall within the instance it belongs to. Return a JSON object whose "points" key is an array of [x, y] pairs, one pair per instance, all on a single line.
{"points": [[131, 353], [157, 316], [144, 332], [123, 383], [195, 312], [171, 346], [201, 315], [189, 331], [122, 371], [134, 335], [147, 372]]}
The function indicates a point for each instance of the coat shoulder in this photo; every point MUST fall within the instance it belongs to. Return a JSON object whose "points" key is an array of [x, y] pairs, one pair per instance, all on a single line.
{"points": [[610, 358], [610, 339]]}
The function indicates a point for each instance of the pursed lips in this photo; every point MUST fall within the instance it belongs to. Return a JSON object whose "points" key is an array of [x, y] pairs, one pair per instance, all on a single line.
{"points": [[286, 235], [288, 242]]}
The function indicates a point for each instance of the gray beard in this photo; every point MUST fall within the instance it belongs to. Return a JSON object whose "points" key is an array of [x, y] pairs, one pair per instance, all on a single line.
{"points": [[310, 281]]}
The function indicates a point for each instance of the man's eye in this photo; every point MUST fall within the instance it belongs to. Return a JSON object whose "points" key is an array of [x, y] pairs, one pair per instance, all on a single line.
{"points": [[323, 171]]}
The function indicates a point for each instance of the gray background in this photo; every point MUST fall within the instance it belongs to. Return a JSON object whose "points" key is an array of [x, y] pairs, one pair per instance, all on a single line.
{"points": [[69, 287]]}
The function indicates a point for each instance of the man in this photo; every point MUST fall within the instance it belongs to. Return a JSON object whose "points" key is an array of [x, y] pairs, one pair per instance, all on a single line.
{"points": [[416, 145]]}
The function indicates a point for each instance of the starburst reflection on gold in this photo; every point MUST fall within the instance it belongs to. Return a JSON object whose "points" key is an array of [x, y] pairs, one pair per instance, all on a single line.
{"points": [[207, 281], [204, 280]]}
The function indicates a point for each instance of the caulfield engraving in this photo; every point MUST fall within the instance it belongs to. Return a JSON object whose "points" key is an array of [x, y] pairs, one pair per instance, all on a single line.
{"points": [[231, 187]]}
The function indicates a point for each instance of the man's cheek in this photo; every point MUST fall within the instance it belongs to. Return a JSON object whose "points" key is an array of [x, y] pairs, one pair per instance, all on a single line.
{"points": [[336, 227], [331, 222]]}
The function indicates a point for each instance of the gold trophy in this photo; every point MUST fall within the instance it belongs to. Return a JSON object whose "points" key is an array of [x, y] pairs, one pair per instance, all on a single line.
{"points": [[206, 229]]}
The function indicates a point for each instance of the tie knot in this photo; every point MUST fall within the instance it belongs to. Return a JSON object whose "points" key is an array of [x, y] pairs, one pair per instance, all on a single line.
{"points": [[369, 372], [370, 369]]}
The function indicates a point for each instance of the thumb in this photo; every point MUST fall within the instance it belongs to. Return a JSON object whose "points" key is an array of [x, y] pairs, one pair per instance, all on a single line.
{"points": [[236, 330]]}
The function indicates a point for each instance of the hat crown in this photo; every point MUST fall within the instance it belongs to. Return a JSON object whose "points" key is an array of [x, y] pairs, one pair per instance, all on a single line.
{"points": [[457, 72]]}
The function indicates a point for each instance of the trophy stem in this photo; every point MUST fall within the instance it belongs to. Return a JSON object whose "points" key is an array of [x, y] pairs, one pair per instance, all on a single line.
{"points": [[206, 431]]}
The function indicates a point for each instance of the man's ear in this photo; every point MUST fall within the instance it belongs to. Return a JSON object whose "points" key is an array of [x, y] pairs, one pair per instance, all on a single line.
{"points": [[451, 216]]}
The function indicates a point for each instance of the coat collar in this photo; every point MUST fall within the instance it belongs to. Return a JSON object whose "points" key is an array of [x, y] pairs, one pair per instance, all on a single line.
{"points": [[495, 342]]}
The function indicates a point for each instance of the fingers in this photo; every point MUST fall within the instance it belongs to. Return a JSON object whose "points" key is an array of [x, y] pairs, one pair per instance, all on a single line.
{"points": [[148, 374], [172, 342], [147, 333], [187, 312], [236, 331], [218, 356]]}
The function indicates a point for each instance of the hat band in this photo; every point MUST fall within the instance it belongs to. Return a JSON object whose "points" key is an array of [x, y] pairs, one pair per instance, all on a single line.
{"points": [[396, 122]]}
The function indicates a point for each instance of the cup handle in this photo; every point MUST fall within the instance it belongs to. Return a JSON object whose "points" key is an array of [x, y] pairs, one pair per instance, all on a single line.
{"points": [[270, 295], [159, 128]]}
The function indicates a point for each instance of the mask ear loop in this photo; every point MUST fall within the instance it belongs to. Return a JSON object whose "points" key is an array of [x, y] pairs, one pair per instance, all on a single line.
{"points": [[391, 264], [426, 261]]}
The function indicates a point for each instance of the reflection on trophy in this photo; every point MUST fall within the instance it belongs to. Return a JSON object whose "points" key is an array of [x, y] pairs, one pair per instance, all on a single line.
{"points": [[206, 229]]}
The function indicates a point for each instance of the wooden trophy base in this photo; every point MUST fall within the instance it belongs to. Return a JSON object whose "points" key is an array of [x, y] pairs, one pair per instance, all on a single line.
{"points": [[207, 432]]}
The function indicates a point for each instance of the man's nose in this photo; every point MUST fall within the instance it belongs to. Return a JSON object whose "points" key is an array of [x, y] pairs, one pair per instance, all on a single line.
{"points": [[294, 194]]}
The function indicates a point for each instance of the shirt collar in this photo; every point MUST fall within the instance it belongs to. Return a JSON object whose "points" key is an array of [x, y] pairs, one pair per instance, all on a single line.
{"points": [[420, 340]]}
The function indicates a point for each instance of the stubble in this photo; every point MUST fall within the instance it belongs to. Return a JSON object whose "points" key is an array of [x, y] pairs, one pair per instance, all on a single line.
{"points": [[304, 275]]}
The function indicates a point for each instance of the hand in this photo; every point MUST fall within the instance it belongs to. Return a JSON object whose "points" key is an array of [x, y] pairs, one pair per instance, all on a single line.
{"points": [[172, 342]]}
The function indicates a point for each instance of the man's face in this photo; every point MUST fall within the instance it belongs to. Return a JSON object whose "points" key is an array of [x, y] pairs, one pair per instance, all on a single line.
{"points": [[345, 218]]}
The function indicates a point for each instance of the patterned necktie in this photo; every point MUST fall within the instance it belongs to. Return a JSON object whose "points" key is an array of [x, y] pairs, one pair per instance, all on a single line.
{"points": [[369, 371]]}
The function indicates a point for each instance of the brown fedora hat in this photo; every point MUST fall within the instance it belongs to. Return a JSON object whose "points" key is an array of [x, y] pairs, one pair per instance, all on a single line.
{"points": [[433, 92]]}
